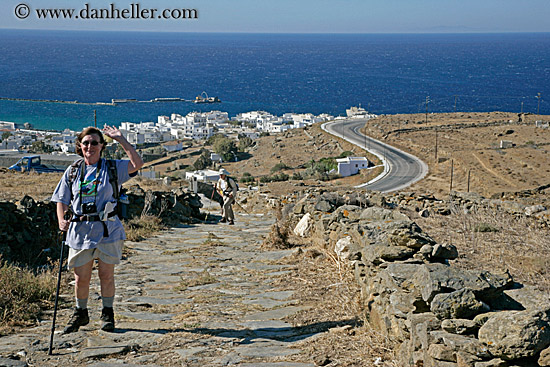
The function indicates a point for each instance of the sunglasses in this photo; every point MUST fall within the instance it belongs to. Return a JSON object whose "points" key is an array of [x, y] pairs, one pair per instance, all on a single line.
{"points": [[93, 142]]}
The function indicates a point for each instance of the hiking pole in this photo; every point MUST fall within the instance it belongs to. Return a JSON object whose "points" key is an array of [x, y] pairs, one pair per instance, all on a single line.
{"points": [[66, 216]]}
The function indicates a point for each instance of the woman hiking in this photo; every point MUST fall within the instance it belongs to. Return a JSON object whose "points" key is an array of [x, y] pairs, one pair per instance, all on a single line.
{"points": [[94, 230]]}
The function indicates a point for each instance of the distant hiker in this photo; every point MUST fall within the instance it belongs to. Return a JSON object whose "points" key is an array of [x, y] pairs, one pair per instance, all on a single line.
{"points": [[227, 188], [94, 231]]}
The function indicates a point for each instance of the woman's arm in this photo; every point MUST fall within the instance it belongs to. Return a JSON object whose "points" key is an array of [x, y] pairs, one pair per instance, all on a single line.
{"points": [[60, 211], [136, 162]]}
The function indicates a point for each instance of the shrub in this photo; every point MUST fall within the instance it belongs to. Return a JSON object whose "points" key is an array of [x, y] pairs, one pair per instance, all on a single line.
{"points": [[485, 227], [23, 294], [139, 228], [279, 167], [247, 178]]}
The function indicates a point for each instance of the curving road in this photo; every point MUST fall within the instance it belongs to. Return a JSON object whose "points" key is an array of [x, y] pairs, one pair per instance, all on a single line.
{"points": [[400, 169]]}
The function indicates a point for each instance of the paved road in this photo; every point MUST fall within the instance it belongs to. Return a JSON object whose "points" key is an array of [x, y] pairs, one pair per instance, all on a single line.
{"points": [[401, 169]]}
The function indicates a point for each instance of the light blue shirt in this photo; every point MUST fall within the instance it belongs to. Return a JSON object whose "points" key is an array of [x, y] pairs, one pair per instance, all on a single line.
{"points": [[87, 235]]}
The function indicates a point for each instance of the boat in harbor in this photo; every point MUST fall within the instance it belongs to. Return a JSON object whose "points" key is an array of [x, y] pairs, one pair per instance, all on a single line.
{"points": [[203, 98]]}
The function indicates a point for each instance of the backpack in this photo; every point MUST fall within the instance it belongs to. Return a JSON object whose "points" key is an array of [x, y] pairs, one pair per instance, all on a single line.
{"points": [[113, 180], [235, 182]]}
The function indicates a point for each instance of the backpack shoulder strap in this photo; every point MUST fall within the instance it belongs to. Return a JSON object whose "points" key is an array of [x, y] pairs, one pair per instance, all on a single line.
{"points": [[73, 172], [113, 177]]}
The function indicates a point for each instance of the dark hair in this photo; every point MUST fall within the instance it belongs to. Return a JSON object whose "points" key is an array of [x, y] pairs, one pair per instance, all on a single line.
{"points": [[89, 131]]}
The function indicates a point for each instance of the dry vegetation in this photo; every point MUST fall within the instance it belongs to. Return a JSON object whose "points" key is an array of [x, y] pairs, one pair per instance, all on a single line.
{"points": [[485, 238], [472, 148], [328, 284]]}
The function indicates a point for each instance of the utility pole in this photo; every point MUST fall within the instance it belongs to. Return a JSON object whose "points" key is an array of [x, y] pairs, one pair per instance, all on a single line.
{"points": [[538, 104], [427, 101], [436, 145], [455, 101], [452, 172], [522, 107]]}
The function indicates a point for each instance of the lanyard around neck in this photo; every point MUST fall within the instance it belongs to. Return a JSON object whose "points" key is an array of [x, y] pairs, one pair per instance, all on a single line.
{"points": [[83, 174]]}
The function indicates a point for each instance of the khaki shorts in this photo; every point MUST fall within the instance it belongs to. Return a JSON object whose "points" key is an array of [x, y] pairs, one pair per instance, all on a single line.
{"points": [[109, 253]]}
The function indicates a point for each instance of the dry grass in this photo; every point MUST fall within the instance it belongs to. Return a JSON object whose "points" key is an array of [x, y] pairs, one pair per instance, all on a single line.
{"points": [[496, 241], [142, 227], [471, 149], [23, 295], [327, 285], [39, 186]]}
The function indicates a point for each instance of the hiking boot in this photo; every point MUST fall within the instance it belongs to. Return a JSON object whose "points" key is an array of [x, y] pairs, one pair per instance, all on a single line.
{"points": [[79, 318], [107, 319], [223, 220], [231, 222]]}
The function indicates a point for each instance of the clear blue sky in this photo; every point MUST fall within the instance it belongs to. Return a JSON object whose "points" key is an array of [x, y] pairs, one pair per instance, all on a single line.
{"points": [[300, 16]]}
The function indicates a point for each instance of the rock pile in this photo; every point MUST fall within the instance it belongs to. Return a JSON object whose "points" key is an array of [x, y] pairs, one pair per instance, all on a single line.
{"points": [[436, 314], [29, 232]]}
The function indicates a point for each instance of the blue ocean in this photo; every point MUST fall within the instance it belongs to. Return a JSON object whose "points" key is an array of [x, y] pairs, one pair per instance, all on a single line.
{"points": [[278, 73]]}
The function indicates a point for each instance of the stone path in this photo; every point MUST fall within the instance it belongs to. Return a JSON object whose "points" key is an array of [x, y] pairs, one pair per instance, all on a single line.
{"points": [[198, 295]]}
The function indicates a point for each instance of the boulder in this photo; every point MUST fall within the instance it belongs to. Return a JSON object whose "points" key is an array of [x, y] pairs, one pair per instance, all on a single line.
{"points": [[432, 279], [459, 326], [516, 334], [342, 248], [457, 305], [444, 251], [544, 358], [534, 209], [377, 253], [303, 226], [376, 214]]}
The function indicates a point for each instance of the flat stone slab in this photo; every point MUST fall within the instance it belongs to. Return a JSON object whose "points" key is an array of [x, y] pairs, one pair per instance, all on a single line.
{"points": [[158, 301], [150, 316], [104, 351], [268, 324], [265, 349], [277, 364], [6, 362], [188, 352], [275, 314]]}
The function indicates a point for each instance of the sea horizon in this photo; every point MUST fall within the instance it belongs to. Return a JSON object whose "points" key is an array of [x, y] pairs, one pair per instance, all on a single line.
{"points": [[386, 73]]}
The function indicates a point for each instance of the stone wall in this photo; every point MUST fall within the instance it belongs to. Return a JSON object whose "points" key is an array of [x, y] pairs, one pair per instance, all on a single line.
{"points": [[437, 315], [29, 232]]}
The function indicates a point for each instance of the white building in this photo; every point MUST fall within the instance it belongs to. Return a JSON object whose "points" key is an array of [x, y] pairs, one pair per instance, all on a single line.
{"points": [[206, 175], [351, 165]]}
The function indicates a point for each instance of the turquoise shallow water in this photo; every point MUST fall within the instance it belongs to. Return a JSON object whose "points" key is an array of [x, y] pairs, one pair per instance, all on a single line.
{"points": [[276, 73]]}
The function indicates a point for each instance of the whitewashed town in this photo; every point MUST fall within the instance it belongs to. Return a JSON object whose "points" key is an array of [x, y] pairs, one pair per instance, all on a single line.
{"points": [[193, 126]]}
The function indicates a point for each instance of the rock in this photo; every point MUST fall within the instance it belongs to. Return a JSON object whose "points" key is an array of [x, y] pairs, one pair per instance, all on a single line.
{"points": [[376, 214], [324, 206], [342, 248], [6, 362], [303, 226], [520, 299], [425, 213], [534, 209], [445, 251], [516, 334], [467, 344], [432, 279], [377, 254], [464, 359], [441, 353], [456, 305], [321, 360], [459, 326], [497, 362], [426, 250], [544, 358]]}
